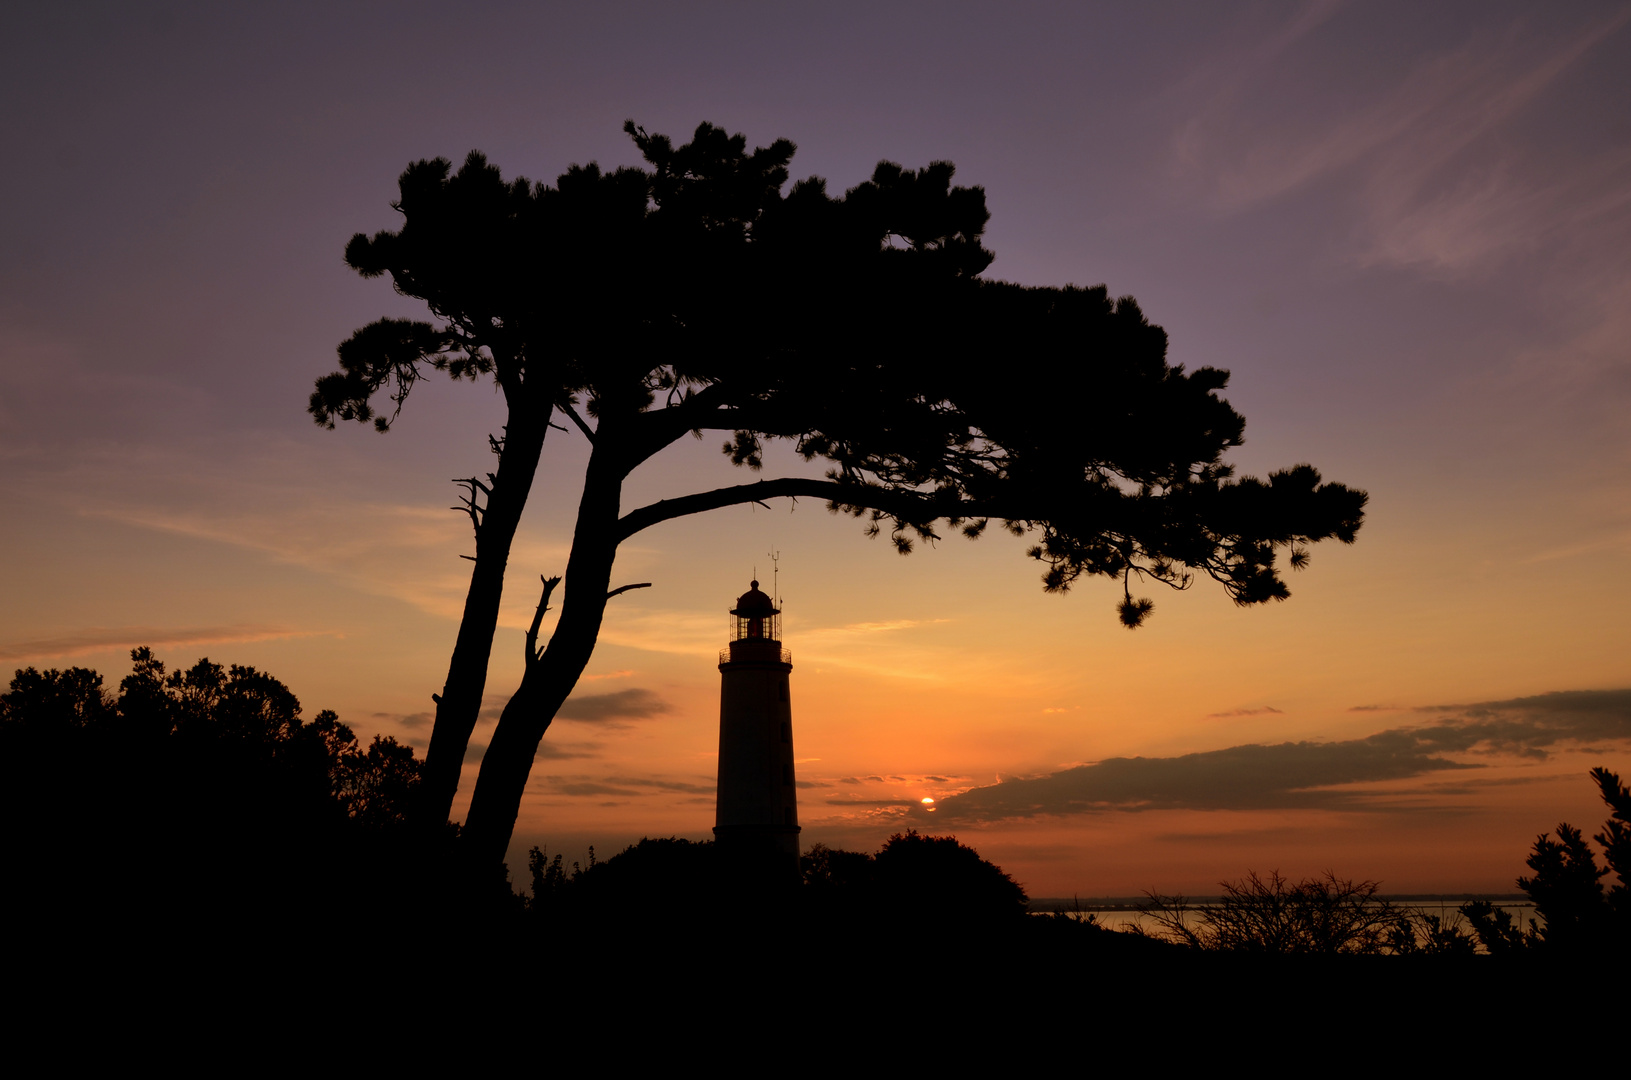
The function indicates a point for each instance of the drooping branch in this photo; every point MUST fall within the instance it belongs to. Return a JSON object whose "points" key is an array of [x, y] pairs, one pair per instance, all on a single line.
{"points": [[626, 588], [534, 653], [910, 506]]}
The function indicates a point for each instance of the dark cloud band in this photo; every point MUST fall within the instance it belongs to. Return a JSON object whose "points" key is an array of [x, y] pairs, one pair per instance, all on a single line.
{"points": [[631, 704], [1305, 775]]}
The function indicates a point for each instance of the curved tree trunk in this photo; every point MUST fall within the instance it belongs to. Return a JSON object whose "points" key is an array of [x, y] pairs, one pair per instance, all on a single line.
{"points": [[459, 704], [549, 678]]}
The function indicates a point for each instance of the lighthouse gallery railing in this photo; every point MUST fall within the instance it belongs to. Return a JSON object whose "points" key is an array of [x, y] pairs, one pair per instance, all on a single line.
{"points": [[725, 657]]}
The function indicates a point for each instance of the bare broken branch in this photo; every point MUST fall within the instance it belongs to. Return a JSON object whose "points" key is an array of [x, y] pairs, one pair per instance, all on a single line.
{"points": [[468, 504], [534, 653], [626, 588]]}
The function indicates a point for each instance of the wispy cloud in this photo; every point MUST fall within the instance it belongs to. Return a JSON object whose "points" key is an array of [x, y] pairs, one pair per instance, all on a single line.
{"points": [[689, 633], [866, 629], [261, 493], [1439, 188], [1265, 710], [624, 674], [407, 553], [1307, 775], [1221, 84], [101, 638], [857, 646], [557, 750], [635, 703], [626, 786]]}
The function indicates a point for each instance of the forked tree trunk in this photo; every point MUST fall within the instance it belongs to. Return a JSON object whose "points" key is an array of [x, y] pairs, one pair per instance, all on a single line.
{"points": [[550, 677], [459, 704]]}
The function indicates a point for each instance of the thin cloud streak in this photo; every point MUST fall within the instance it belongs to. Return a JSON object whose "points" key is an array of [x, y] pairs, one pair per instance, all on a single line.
{"points": [[100, 639], [583, 786], [1435, 194], [635, 703], [1448, 102]]}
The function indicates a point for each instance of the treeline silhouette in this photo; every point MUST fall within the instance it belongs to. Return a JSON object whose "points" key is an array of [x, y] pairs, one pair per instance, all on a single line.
{"points": [[199, 809], [190, 803]]}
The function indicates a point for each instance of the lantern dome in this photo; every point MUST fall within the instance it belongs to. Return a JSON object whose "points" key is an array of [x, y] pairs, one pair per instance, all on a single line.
{"points": [[754, 604]]}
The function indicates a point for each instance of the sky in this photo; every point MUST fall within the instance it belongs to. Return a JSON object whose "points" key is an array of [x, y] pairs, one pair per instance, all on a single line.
{"points": [[1405, 229]]}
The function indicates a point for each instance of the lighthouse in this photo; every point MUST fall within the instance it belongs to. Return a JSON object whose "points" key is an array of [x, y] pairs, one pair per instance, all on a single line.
{"points": [[756, 815]]}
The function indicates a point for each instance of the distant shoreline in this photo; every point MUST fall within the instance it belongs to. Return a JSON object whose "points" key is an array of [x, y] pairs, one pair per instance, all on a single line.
{"points": [[1046, 904]]}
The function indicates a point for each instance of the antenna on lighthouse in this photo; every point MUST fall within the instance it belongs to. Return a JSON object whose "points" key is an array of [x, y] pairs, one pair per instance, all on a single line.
{"points": [[775, 572]]}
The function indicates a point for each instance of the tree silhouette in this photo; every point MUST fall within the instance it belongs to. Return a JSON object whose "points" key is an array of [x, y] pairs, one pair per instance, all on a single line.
{"points": [[697, 295], [1577, 916]]}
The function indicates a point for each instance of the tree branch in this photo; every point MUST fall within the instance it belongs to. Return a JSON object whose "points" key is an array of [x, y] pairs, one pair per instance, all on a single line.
{"points": [[567, 408], [907, 505], [626, 588]]}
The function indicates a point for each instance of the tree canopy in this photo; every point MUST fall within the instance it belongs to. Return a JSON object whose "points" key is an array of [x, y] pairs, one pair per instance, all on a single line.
{"points": [[706, 293]]}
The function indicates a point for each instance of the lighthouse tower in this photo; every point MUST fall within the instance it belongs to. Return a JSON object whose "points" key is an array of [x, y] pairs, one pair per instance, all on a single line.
{"points": [[756, 816]]}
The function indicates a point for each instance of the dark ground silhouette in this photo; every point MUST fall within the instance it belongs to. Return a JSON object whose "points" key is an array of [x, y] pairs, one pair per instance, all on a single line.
{"points": [[194, 821], [190, 805]]}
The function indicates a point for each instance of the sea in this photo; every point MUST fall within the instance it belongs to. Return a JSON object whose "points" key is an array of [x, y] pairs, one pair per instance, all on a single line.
{"points": [[1119, 912]]}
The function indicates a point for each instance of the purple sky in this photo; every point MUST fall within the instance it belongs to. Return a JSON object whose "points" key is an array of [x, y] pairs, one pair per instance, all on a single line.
{"points": [[1405, 228]]}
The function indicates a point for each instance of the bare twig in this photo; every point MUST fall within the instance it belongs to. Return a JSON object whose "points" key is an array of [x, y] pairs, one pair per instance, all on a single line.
{"points": [[468, 504], [626, 588], [534, 653]]}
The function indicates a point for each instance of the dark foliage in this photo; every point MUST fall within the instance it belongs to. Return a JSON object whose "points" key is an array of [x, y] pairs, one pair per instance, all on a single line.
{"points": [[915, 873], [1577, 917], [189, 799], [836, 872], [1495, 928], [912, 880], [854, 326], [655, 886], [1323, 916]]}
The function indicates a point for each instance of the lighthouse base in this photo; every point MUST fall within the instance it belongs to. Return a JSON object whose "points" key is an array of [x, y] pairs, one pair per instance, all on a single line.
{"points": [[767, 855]]}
